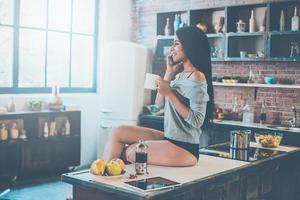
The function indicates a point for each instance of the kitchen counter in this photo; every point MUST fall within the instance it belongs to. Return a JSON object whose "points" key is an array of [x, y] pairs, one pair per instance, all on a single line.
{"points": [[229, 123], [219, 131], [256, 126], [226, 178]]}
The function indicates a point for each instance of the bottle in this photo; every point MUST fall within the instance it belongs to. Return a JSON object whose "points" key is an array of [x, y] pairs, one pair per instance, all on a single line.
{"points": [[263, 113], [252, 23], [52, 128], [183, 23], [46, 130], [3, 132], [235, 109], [248, 115], [12, 105], [295, 21], [251, 76], [176, 23], [219, 114], [167, 28], [67, 127], [282, 21], [23, 134], [14, 132], [292, 51], [141, 157]]}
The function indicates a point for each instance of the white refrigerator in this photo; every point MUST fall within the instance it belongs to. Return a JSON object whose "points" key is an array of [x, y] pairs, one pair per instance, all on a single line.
{"points": [[121, 87]]}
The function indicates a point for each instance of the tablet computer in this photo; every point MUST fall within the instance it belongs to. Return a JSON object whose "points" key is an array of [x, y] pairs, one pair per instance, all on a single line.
{"points": [[150, 184]]}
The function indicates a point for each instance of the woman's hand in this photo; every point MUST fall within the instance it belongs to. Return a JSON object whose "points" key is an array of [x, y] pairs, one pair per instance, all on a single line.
{"points": [[163, 87], [172, 68]]}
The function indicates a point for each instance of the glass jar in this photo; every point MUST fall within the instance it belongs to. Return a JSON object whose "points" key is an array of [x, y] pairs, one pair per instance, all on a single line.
{"points": [[240, 26], [141, 157], [295, 50], [248, 114]]}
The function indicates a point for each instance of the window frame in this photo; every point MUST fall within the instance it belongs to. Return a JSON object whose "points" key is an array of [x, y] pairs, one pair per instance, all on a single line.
{"points": [[15, 89]]}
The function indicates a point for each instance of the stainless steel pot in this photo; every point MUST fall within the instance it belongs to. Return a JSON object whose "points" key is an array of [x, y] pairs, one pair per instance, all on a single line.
{"points": [[239, 154], [240, 139]]}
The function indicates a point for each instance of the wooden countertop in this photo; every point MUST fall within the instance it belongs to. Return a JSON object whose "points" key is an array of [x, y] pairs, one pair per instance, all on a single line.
{"points": [[206, 167]]}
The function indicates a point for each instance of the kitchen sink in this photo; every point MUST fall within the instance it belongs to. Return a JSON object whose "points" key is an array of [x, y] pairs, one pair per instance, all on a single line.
{"points": [[284, 128], [294, 129]]}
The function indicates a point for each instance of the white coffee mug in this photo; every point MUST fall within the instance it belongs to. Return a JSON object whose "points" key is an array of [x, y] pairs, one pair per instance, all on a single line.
{"points": [[150, 81]]}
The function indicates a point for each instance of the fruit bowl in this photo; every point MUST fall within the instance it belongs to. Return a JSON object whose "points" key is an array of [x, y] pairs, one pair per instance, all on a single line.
{"points": [[113, 168], [107, 176], [268, 140]]}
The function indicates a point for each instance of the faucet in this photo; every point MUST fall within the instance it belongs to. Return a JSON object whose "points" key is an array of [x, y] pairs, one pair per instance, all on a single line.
{"points": [[293, 120]]}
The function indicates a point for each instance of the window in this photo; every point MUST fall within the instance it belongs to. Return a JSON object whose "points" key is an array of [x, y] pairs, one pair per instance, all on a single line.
{"points": [[48, 42]]}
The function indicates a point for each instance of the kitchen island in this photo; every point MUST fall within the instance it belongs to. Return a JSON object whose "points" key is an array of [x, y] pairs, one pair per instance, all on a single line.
{"points": [[213, 178]]}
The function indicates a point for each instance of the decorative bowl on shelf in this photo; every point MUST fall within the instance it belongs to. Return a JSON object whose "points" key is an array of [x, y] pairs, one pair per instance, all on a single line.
{"points": [[230, 80], [270, 80], [252, 55], [286, 81], [268, 140]]}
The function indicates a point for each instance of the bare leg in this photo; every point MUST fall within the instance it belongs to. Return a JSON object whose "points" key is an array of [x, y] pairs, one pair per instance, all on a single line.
{"points": [[164, 153], [124, 134]]}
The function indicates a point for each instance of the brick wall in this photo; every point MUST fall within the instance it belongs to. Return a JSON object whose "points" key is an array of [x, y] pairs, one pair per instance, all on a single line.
{"points": [[279, 101]]}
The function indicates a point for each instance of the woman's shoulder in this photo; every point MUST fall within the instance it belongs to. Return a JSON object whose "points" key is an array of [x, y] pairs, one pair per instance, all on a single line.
{"points": [[198, 76]]}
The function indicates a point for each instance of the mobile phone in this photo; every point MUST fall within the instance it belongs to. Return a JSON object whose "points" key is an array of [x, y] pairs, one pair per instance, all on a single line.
{"points": [[172, 62]]}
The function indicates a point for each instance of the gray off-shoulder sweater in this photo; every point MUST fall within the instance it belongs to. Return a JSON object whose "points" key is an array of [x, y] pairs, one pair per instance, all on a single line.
{"points": [[193, 94]]}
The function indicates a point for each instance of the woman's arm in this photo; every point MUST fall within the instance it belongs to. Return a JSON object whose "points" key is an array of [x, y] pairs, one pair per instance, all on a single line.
{"points": [[180, 107], [165, 91], [169, 74], [198, 98], [160, 99]]}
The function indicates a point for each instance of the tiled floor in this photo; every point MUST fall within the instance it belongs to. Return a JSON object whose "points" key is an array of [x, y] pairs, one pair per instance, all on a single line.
{"points": [[52, 189]]}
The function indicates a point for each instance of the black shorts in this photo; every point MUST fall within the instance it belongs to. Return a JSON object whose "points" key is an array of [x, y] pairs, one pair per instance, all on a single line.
{"points": [[192, 148]]}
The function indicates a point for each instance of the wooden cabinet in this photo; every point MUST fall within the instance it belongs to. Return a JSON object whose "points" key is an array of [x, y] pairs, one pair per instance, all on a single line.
{"points": [[37, 154], [10, 158], [268, 45]]}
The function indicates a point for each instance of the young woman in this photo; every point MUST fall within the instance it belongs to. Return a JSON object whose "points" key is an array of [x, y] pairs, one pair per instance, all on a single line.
{"points": [[188, 101]]}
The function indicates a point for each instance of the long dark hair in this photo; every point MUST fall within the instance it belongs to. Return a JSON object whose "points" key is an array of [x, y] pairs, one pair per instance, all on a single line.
{"points": [[197, 49]]}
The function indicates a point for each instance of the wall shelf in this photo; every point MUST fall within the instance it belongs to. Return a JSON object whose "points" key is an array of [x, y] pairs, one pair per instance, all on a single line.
{"points": [[164, 37], [214, 35], [244, 59], [253, 85], [226, 46]]}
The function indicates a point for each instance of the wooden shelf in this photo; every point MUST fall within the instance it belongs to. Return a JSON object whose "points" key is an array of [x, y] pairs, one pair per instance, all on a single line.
{"points": [[284, 32], [273, 43], [163, 37], [284, 59], [214, 35], [232, 34], [244, 59], [217, 59], [256, 85]]}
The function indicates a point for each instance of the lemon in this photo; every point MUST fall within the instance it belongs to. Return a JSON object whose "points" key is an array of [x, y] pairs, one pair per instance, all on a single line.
{"points": [[120, 162], [98, 167], [113, 168]]}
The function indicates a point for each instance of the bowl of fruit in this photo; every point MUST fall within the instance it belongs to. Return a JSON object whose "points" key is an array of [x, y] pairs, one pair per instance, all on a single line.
{"points": [[268, 140]]}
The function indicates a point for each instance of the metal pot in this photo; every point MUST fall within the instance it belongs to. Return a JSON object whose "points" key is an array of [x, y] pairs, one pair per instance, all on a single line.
{"points": [[239, 154], [240, 139]]}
